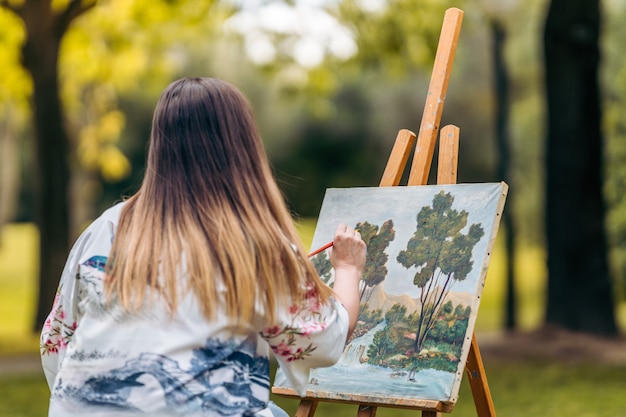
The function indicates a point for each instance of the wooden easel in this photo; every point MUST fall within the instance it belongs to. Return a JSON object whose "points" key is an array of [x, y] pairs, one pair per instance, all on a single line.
{"points": [[446, 174]]}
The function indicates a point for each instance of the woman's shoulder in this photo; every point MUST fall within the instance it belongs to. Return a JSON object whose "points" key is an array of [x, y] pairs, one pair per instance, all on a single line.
{"points": [[105, 223], [109, 217], [113, 212]]}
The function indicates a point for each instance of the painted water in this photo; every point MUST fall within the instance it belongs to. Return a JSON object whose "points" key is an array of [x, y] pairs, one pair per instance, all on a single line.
{"points": [[350, 376]]}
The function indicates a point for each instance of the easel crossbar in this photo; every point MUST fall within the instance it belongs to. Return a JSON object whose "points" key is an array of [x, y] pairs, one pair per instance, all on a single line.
{"points": [[363, 400]]}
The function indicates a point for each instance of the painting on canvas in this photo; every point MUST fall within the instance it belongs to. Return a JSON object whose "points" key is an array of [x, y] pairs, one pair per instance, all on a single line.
{"points": [[428, 249]]}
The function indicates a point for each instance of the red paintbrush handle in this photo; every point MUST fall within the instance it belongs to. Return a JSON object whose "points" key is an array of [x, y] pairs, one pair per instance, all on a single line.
{"points": [[323, 248]]}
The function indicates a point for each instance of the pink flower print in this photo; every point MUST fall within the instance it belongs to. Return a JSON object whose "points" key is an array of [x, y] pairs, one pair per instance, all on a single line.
{"points": [[282, 349], [310, 328], [314, 305], [315, 327], [49, 347], [311, 292], [293, 309], [296, 356], [271, 331], [56, 333]]}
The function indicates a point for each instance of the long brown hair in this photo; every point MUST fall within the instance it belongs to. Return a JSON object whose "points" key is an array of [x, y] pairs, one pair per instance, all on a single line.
{"points": [[208, 206]]}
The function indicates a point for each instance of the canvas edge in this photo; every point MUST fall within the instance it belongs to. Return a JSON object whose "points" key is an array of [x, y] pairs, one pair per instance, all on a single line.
{"points": [[454, 394]]}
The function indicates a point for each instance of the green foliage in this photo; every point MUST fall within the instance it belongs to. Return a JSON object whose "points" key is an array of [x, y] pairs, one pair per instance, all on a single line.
{"points": [[322, 265], [370, 317], [615, 153], [400, 35], [338, 150], [438, 243], [394, 345], [441, 253], [395, 314], [367, 320], [384, 343], [375, 270]]}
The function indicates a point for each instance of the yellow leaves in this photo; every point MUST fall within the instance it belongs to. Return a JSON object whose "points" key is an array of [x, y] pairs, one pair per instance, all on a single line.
{"points": [[16, 84], [97, 149], [131, 43], [89, 147], [121, 47], [111, 126], [114, 165], [59, 5], [12, 30], [117, 48], [128, 66]]}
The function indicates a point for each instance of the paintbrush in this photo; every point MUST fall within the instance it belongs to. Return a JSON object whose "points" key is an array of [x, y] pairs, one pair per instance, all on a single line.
{"points": [[323, 248]]}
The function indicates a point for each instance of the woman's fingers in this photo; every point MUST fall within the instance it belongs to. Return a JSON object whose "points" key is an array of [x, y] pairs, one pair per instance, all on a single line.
{"points": [[348, 248]]}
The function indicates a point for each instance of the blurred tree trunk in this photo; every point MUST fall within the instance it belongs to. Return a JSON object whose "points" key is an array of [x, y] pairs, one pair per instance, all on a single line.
{"points": [[9, 169], [501, 89], [45, 28], [579, 286]]}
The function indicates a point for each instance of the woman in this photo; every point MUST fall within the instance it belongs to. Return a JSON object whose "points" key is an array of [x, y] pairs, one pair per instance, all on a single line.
{"points": [[170, 302]]}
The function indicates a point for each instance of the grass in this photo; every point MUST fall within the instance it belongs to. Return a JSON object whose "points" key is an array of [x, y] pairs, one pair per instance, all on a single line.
{"points": [[531, 388], [518, 389], [18, 288], [23, 395]]}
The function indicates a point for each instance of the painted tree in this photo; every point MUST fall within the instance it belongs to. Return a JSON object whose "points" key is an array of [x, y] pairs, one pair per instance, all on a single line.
{"points": [[442, 256], [323, 266], [372, 317], [395, 314], [383, 343], [377, 240]]}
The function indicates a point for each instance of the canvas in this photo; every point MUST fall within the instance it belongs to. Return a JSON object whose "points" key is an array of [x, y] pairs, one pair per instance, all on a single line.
{"points": [[428, 249]]}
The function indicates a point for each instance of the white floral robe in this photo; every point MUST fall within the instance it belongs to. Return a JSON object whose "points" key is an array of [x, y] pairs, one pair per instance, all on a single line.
{"points": [[101, 361]]}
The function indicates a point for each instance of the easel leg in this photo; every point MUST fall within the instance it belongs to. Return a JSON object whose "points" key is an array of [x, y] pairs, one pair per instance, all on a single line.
{"points": [[306, 408], [430, 414], [478, 382], [366, 411]]}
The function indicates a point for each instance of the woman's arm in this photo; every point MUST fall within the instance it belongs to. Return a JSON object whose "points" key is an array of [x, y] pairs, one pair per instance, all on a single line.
{"points": [[348, 258], [313, 335]]}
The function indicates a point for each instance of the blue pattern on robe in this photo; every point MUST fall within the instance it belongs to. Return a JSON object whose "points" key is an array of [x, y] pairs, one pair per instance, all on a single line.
{"points": [[97, 262], [220, 379]]}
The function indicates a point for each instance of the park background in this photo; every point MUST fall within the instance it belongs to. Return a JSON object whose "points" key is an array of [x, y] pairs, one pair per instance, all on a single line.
{"points": [[331, 83]]}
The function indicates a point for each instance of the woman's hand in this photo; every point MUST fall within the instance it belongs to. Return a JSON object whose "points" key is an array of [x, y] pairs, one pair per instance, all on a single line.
{"points": [[347, 256]]}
